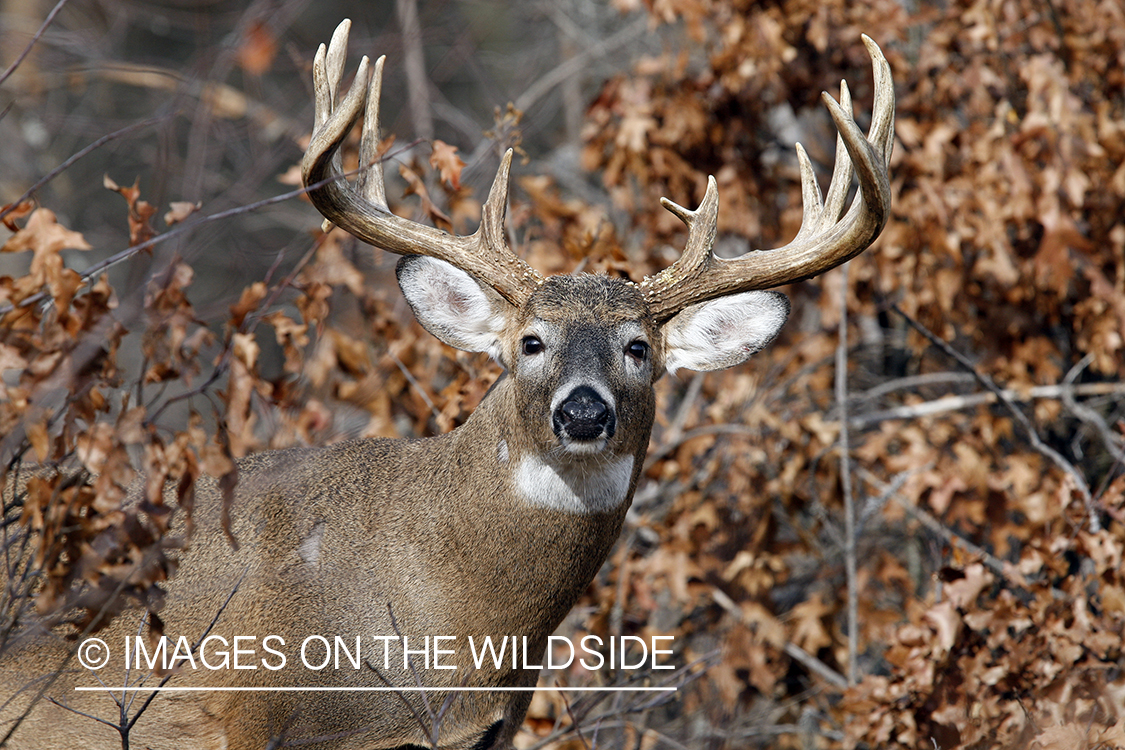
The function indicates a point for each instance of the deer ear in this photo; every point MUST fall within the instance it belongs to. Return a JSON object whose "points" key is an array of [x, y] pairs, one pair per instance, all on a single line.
{"points": [[723, 332], [452, 305]]}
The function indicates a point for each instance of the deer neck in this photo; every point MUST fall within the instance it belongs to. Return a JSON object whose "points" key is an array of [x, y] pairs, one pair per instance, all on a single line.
{"points": [[516, 522], [531, 529]]}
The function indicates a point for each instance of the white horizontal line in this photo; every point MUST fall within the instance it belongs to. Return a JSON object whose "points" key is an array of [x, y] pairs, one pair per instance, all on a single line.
{"points": [[289, 689]]}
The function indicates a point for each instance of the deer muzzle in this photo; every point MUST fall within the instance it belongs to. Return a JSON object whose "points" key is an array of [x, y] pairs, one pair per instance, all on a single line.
{"points": [[584, 420]]}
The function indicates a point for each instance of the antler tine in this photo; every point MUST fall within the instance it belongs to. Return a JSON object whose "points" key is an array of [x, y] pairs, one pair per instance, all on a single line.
{"points": [[883, 109], [828, 236], [361, 208], [842, 172], [370, 182], [702, 225], [817, 213]]}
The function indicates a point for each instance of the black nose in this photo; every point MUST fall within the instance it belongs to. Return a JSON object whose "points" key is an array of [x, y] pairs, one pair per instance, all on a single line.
{"points": [[583, 415]]}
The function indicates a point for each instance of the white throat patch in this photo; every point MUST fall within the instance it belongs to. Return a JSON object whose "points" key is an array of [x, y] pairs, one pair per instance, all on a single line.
{"points": [[599, 490]]}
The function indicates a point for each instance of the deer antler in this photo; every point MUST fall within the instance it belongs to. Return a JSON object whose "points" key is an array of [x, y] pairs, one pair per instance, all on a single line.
{"points": [[827, 237], [361, 207]]}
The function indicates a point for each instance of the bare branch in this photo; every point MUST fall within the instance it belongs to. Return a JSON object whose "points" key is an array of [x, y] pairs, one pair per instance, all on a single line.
{"points": [[998, 566], [1089, 416], [34, 40], [1021, 419], [75, 157], [846, 484], [945, 404]]}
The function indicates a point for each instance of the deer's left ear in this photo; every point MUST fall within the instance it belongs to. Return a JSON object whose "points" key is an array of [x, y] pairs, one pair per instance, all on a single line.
{"points": [[723, 332]]}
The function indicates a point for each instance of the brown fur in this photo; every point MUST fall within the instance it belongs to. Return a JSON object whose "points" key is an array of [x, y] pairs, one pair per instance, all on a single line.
{"points": [[334, 540]]}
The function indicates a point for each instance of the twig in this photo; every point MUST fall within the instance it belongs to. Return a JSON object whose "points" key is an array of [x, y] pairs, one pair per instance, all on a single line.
{"points": [[910, 382], [90, 627], [1066, 391], [676, 428], [846, 483], [726, 428], [249, 325], [194, 648], [796, 652], [34, 40], [574, 720], [129, 252], [995, 564], [673, 436], [792, 649], [876, 504], [421, 391], [75, 157], [436, 717], [681, 677], [124, 728], [84, 715], [189, 225], [418, 83], [617, 610], [579, 62], [572, 66], [1021, 419], [1088, 415]]}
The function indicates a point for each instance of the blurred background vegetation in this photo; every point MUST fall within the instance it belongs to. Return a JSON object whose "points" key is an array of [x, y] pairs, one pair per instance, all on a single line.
{"points": [[224, 93], [985, 365]]}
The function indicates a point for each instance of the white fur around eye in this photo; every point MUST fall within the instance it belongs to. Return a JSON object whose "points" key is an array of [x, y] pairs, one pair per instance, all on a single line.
{"points": [[723, 332]]}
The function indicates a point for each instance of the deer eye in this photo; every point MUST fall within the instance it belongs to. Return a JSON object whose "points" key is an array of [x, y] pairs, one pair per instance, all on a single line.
{"points": [[531, 345], [638, 350]]}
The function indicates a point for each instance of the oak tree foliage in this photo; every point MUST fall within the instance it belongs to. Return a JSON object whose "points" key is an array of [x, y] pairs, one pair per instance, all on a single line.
{"points": [[992, 522]]}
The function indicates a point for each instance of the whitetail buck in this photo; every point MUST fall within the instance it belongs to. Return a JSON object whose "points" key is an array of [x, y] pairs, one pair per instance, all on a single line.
{"points": [[494, 529]]}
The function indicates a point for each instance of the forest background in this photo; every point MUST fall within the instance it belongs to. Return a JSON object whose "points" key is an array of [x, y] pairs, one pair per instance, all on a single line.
{"points": [[974, 430]]}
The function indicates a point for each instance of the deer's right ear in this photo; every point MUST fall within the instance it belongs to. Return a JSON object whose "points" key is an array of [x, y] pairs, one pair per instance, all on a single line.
{"points": [[452, 305]]}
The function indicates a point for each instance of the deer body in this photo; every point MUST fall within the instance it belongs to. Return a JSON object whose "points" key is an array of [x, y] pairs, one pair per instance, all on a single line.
{"points": [[493, 530]]}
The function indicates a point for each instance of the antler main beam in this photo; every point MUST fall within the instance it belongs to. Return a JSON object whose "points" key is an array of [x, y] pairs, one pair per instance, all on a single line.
{"points": [[361, 207], [828, 236]]}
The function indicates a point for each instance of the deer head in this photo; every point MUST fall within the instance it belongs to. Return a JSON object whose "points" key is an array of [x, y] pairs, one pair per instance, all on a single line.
{"points": [[582, 348]]}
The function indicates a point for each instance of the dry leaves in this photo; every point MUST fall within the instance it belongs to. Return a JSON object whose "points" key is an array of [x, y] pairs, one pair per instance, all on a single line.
{"points": [[1007, 239], [445, 159], [140, 211], [258, 49]]}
